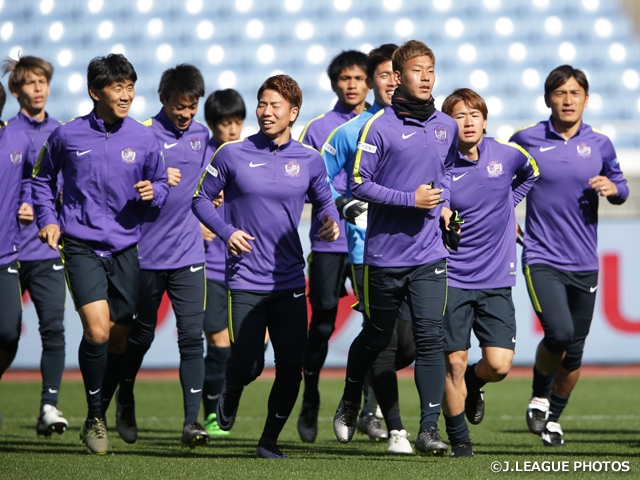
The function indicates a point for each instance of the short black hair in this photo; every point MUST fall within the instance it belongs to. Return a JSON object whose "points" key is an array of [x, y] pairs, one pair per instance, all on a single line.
{"points": [[3, 99], [379, 55], [184, 79], [103, 71], [223, 104], [346, 59], [561, 75]]}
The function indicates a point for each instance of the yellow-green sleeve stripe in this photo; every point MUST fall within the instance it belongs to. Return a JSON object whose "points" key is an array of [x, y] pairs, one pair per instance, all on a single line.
{"points": [[229, 317], [366, 291], [212, 157], [356, 166], [530, 159], [306, 127], [36, 167]]}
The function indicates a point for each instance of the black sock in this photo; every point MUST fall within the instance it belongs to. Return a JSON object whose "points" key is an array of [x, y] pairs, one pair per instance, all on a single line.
{"points": [[365, 393], [457, 429], [93, 365], [111, 378], [191, 379], [133, 356], [542, 384], [557, 404], [473, 381], [215, 366], [282, 398], [232, 399], [384, 382], [322, 325], [51, 367]]}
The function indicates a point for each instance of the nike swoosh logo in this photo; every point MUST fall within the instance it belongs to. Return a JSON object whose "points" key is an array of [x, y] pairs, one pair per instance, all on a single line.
{"points": [[195, 391], [213, 397], [455, 179], [254, 165], [438, 271], [404, 137], [129, 380], [12, 270], [195, 269], [58, 267], [93, 393], [135, 315], [51, 390], [433, 404], [297, 295], [544, 149], [79, 154], [352, 381], [513, 339], [169, 145], [281, 416], [593, 289]]}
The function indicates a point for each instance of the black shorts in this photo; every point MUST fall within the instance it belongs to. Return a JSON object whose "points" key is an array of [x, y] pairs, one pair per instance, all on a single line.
{"points": [[11, 307], [489, 313], [357, 279], [91, 277], [216, 315], [45, 282], [327, 275]]}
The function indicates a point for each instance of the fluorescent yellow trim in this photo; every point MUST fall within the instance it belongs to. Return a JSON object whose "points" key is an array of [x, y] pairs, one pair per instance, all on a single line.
{"points": [[363, 138], [532, 292], [530, 159], [212, 157], [306, 127]]}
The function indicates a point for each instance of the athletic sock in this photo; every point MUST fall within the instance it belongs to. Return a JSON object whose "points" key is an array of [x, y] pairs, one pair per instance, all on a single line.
{"points": [[111, 378], [322, 325], [556, 407], [471, 378], [92, 359], [215, 366], [51, 367], [542, 383], [282, 398], [191, 379], [457, 429], [133, 356]]}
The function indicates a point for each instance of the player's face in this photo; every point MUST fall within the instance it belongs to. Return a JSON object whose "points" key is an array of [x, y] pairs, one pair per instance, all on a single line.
{"points": [[180, 109], [351, 87], [227, 130], [567, 102], [113, 101], [32, 94], [275, 116], [383, 83], [471, 124], [417, 78]]}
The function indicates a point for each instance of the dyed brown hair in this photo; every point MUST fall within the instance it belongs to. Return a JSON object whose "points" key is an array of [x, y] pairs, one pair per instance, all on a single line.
{"points": [[286, 87], [409, 50], [18, 70], [470, 98]]}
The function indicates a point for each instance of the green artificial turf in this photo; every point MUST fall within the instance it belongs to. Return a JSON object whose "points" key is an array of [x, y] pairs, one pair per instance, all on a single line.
{"points": [[601, 424]]}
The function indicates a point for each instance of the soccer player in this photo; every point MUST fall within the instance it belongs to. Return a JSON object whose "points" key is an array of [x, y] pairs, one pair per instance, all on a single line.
{"points": [[560, 258], [338, 152], [171, 257], [224, 112], [113, 174], [489, 179], [402, 168], [16, 163], [328, 262], [265, 179], [41, 270]]}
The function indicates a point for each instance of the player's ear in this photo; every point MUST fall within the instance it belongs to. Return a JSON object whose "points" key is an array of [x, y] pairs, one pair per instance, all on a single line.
{"points": [[396, 75], [369, 83], [293, 114], [95, 94], [547, 102]]}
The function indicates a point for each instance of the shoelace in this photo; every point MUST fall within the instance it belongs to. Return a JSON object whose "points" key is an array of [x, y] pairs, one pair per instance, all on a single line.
{"points": [[350, 415], [128, 416], [309, 417], [99, 428]]}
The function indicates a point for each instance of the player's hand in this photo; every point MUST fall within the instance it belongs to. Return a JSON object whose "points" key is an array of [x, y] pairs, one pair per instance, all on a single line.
{"points": [[353, 211], [173, 176], [50, 235], [427, 197], [445, 215], [207, 234], [329, 231], [603, 186], [145, 189], [238, 243], [25, 214], [218, 200]]}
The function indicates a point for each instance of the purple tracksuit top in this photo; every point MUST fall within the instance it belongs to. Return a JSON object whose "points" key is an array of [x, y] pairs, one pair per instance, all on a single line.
{"points": [[31, 248], [171, 237], [485, 193], [215, 251], [394, 156], [16, 163], [264, 192], [562, 210], [315, 135], [100, 207]]}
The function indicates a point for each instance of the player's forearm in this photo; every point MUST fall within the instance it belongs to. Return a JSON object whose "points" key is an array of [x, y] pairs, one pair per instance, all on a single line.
{"points": [[208, 216]]}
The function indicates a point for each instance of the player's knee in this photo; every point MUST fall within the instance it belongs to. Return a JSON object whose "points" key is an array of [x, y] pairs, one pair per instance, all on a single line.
{"points": [[217, 358], [289, 372], [456, 366], [428, 341], [573, 359], [322, 331], [247, 370], [97, 334], [9, 340], [52, 340]]}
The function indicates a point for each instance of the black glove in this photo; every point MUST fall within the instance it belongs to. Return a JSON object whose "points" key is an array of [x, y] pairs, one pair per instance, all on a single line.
{"points": [[353, 211], [450, 237]]}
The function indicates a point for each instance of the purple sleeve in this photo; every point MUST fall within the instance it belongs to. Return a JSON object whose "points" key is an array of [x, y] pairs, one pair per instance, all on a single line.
{"points": [[43, 183], [369, 152], [611, 170], [154, 171], [448, 166], [213, 181], [319, 192], [25, 185], [526, 174]]}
